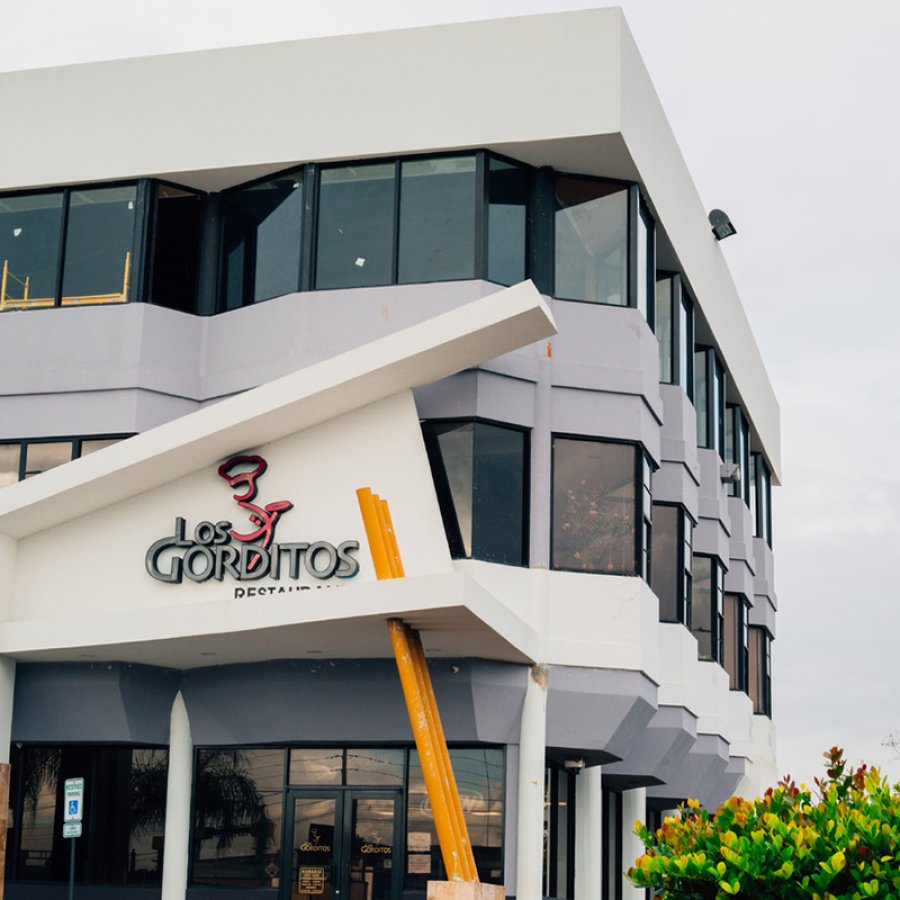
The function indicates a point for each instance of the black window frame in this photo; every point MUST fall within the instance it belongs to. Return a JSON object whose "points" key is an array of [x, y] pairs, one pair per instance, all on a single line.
{"points": [[642, 494], [737, 449], [761, 497], [739, 676], [716, 385], [75, 440], [716, 612], [455, 540], [554, 774], [682, 316], [760, 689], [684, 556]]}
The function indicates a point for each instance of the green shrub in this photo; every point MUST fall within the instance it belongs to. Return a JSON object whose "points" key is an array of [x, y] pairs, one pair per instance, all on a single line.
{"points": [[840, 843]]}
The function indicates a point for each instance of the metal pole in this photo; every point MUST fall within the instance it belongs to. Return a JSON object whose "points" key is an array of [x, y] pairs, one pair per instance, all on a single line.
{"points": [[72, 869]]}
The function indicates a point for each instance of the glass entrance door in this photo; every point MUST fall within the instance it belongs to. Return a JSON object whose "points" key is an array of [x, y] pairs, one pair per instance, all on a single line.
{"points": [[342, 845]]}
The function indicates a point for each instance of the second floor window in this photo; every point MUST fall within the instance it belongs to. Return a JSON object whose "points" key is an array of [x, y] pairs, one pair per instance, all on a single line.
{"points": [[709, 399], [480, 474], [23, 459], [735, 656], [707, 608], [672, 557], [599, 521]]}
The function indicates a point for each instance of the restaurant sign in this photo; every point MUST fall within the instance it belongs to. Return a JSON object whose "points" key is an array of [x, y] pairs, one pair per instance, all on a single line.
{"points": [[214, 550]]}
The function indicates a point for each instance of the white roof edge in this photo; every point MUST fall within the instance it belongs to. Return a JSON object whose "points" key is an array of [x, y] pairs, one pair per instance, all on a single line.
{"points": [[421, 354]]}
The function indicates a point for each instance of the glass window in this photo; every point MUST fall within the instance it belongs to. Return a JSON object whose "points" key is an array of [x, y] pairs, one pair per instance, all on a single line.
{"points": [[356, 766], [176, 248], [318, 765], [88, 447], [665, 330], [39, 457], [238, 807], [509, 187], [99, 245], [559, 833], [685, 342], [30, 230], [124, 805], [480, 475], [707, 612], [9, 463], [437, 219], [709, 400], [591, 241], [737, 450], [646, 264], [761, 498], [760, 670], [595, 506], [261, 252], [671, 581], [355, 235], [481, 778], [735, 659]]}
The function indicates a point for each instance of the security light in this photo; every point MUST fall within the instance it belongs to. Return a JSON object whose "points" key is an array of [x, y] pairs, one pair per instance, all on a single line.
{"points": [[721, 224]]}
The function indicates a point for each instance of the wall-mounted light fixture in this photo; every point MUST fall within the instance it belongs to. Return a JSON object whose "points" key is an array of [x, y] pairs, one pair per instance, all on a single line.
{"points": [[721, 225]]}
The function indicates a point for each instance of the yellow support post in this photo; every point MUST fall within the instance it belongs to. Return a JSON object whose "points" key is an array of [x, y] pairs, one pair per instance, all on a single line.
{"points": [[453, 799], [368, 507], [392, 547], [415, 704]]}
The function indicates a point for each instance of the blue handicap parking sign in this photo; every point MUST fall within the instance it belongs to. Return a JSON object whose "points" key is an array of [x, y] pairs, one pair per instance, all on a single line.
{"points": [[73, 807]]}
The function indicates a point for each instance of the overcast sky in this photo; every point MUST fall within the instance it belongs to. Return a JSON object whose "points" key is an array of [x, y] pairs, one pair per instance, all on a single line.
{"points": [[787, 115]]}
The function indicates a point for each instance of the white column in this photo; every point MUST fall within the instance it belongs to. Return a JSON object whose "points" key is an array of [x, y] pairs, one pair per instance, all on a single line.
{"points": [[532, 754], [589, 834], [176, 857], [634, 809], [7, 691]]}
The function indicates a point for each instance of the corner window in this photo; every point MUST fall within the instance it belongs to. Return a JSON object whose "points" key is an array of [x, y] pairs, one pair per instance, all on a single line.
{"points": [[125, 810], [598, 505], [591, 240], [737, 450], [509, 193], [261, 240], [735, 657], [175, 253], [672, 559], [709, 400], [707, 607], [480, 474], [761, 670], [761, 498], [675, 333]]}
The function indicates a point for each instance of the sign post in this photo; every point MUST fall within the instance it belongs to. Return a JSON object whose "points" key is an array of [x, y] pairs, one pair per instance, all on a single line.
{"points": [[73, 812]]}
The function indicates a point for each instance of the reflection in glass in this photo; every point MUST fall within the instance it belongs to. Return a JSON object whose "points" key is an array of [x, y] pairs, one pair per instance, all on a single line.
{"points": [[39, 457], [665, 334], [437, 219], [702, 624], [237, 825], [99, 236], [355, 235], [261, 256], [176, 248], [508, 191], [316, 765], [354, 766], [125, 804], [29, 249], [591, 241], [314, 854], [480, 473], [481, 778], [735, 649], [594, 506], [760, 670], [9, 464], [371, 848], [666, 579]]}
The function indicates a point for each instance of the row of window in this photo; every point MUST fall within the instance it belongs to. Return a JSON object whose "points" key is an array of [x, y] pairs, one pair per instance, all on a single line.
{"points": [[394, 221], [23, 459], [247, 805]]}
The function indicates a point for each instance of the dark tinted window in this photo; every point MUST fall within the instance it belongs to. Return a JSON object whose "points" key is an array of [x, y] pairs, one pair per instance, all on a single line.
{"points": [[707, 623], [666, 580], [760, 670], [480, 474], [97, 267], [509, 186], [355, 235], [595, 506], [437, 219], [261, 253], [176, 244], [735, 651], [30, 228], [665, 330]]}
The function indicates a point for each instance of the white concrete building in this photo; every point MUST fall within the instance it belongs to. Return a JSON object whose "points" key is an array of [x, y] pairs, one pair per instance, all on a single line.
{"points": [[464, 266]]}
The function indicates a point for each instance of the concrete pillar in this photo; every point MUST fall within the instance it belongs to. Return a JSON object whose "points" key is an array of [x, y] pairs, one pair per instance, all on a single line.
{"points": [[176, 857], [7, 689], [532, 756], [634, 809], [589, 834]]}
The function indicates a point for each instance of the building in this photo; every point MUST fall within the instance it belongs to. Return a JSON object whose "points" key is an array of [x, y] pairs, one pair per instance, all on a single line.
{"points": [[466, 267]]}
